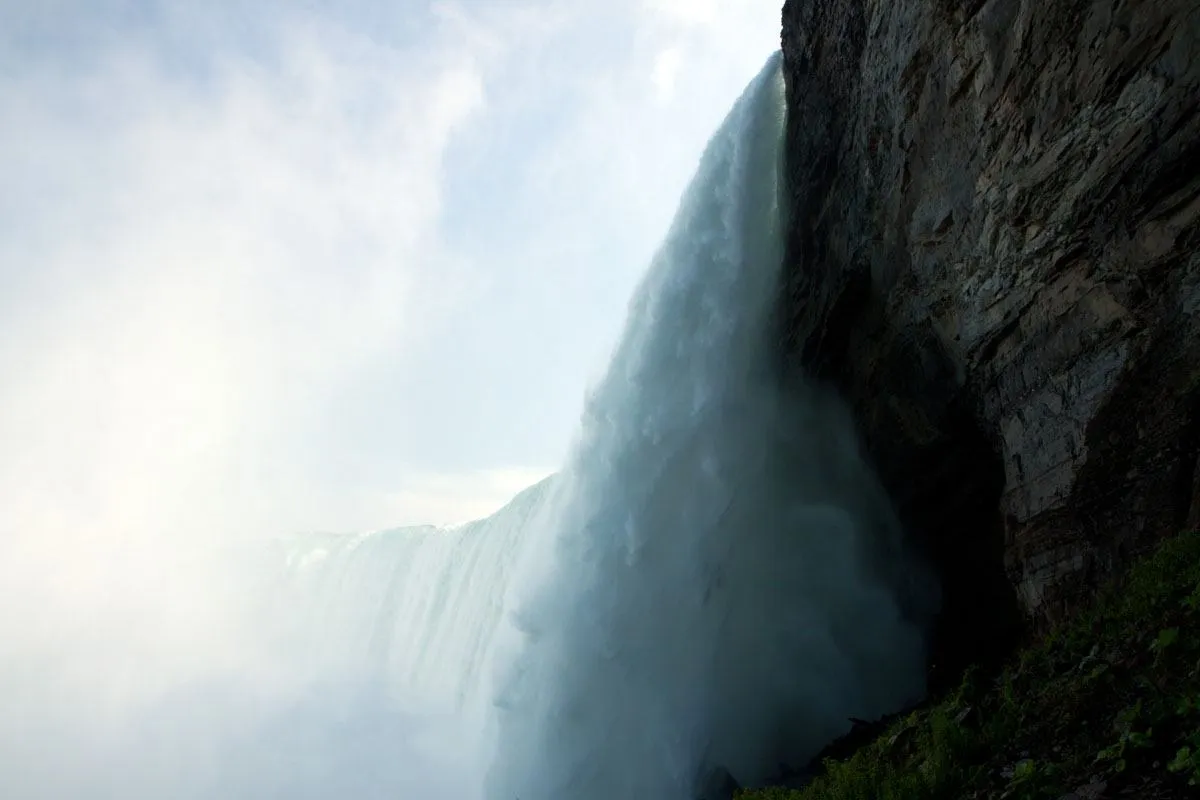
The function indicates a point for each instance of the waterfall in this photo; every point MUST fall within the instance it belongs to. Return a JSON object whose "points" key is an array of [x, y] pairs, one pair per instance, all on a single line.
{"points": [[717, 582], [413, 609]]}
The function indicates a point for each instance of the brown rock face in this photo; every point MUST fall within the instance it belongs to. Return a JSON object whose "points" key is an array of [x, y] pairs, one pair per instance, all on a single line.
{"points": [[994, 255]]}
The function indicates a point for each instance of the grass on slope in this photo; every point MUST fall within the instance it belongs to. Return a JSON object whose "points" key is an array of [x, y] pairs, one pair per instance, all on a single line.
{"points": [[1109, 704]]}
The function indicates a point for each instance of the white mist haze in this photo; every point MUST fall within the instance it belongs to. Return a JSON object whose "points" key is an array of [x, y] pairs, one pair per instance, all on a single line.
{"points": [[280, 268], [188, 267]]}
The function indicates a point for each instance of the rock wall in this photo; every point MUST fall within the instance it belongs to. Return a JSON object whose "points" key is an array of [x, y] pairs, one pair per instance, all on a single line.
{"points": [[993, 253]]}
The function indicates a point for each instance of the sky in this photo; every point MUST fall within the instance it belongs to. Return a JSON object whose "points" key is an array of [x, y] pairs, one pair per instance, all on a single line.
{"points": [[280, 266], [275, 266]]}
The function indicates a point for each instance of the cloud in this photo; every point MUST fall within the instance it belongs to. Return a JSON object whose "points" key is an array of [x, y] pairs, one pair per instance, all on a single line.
{"points": [[190, 262], [666, 70], [558, 198], [278, 267], [688, 12]]}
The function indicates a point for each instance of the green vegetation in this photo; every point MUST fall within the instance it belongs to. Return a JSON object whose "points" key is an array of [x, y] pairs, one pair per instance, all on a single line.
{"points": [[1111, 699]]}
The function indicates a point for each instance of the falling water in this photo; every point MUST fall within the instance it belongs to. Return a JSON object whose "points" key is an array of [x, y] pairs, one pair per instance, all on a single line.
{"points": [[717, 582]]}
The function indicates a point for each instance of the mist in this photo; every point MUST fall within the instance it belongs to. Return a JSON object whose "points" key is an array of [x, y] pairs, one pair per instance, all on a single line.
{"points": [[192, 265], [256, 280]]}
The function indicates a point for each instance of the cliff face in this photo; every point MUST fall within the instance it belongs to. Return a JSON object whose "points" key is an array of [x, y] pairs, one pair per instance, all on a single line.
{"points": [[994, 255]]}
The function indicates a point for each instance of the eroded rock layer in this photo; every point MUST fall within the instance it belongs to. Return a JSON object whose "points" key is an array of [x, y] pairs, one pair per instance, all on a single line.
{"points": [[994, 256]]}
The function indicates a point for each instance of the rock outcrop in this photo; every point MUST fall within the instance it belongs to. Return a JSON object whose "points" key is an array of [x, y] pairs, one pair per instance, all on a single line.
{"points": [[994, 256]]}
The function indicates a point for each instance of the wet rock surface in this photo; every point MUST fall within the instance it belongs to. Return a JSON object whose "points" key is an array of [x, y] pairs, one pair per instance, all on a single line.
{"points": [[994, 255]]}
